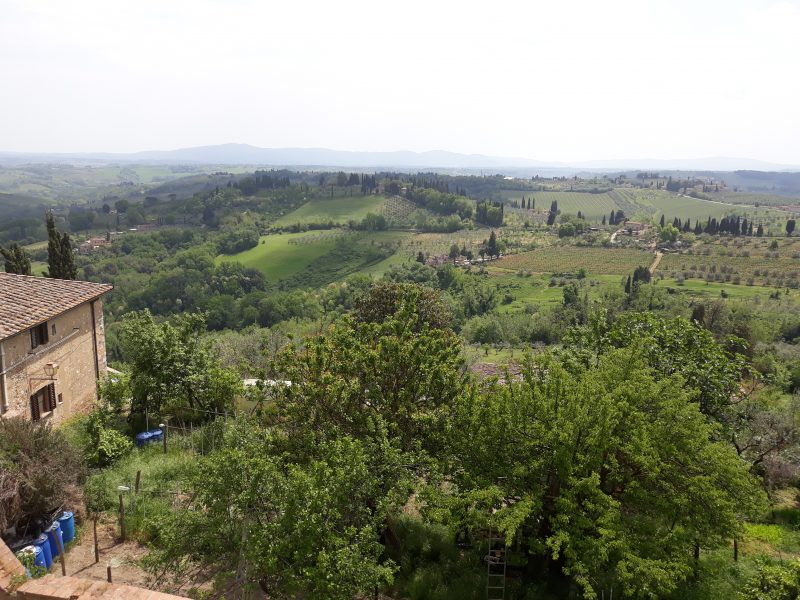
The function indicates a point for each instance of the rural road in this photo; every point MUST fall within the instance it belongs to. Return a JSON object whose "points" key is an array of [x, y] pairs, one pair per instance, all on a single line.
{"points": [[657, 260]]}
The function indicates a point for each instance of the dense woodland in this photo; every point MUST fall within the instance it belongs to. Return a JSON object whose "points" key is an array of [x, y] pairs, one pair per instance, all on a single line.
{"points": [[637, 434]]}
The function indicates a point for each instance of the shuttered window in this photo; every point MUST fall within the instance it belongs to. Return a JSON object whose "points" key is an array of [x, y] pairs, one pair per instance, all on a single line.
{"points": [[51, 396], [36, 412], [39, 335], [43, 401]]}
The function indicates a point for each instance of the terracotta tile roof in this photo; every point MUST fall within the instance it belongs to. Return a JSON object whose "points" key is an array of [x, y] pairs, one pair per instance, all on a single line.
{"points": [[27, 301]]}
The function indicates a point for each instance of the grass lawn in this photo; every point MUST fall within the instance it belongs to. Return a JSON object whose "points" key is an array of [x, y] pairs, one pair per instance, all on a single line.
{"points": [[378, 269], [316, 258], [338, 209], [283, 255]]}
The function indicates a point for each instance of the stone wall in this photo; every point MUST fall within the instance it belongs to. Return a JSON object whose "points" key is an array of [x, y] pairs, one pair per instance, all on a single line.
{"points": [[10, 567], [53, 587], [77, 343]]}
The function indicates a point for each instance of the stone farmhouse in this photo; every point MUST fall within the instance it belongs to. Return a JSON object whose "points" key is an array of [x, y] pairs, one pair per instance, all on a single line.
{"points": [[52, 346]]}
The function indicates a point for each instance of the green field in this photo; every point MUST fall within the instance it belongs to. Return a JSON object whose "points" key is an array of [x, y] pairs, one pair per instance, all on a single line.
{"points": [[314, 259], [592, 206], [337, 209], [637, 204], [283, 255], [568, 259]]}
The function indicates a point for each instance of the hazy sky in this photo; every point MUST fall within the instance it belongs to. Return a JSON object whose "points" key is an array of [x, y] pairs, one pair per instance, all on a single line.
{"points": [[556, 80]]}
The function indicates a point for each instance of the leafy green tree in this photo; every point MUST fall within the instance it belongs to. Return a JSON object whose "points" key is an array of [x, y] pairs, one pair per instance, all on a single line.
{"points": [[454, 253], [172, 369], [668, 233], [396, 375], [790, 224], [289, 528], [676, 346], [16, 260], [384, 299], [604, 476], [373, 222]]}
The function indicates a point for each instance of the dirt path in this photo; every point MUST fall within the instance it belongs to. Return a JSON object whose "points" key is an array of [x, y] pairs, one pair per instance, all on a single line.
{"points": [[656, 260], [119, 556]]}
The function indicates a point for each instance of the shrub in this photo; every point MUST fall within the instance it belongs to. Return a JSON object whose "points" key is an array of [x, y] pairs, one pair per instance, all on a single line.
{"points": [[39, 470], [106, 445]]}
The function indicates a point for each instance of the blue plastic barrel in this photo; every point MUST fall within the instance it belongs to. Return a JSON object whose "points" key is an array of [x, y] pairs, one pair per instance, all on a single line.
{"points": [[38, 556], [43, 542], [53, 531], [142, 438], [156, 435], [67, 522]]}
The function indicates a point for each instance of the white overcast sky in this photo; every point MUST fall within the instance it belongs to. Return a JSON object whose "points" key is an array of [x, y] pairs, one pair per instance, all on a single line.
{"points": [[550, 80]]}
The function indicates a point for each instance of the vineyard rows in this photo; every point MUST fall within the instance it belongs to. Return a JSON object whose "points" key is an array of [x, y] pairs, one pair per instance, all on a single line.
{"points": [[568, 259]]}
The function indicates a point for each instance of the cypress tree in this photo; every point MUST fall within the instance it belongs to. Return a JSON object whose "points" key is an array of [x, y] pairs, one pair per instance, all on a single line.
{"points": [[760, 230], [16, 259], [60, 258], [661, 222], [491, 248]]}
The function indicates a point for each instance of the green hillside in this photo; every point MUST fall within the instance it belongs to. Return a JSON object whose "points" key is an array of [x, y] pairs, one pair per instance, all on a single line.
{"points": [[337, 209], [282, 255]]}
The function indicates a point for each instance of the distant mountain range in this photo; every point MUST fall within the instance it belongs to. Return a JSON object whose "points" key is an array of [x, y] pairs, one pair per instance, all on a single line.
{"points": [[244, 154]]}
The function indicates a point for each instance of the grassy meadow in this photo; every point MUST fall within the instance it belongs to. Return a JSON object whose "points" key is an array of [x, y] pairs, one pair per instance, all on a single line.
{"points": [[339, 209]]}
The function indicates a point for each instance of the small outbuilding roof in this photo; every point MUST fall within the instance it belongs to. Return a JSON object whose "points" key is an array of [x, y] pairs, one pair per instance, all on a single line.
{"points": [[28, 301]]}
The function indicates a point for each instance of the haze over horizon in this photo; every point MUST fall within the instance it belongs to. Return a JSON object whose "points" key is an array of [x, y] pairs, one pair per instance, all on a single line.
{"points": [[569, 82]]}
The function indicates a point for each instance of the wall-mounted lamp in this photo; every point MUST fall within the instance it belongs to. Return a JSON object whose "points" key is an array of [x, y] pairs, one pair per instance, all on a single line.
{"points": [[51, 370]]}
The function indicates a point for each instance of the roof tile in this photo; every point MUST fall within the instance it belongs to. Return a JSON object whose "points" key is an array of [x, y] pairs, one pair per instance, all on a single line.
{"points": [[27, 301]]}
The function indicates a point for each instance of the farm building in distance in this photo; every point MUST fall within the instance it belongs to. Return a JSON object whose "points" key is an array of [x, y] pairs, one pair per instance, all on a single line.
{"points": [[633, 227], [52, 346], [92, 244]]}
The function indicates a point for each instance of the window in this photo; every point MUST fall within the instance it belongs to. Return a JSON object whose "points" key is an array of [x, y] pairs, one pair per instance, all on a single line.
{"points": [[39, 335], [60, 399], [43, 401]]}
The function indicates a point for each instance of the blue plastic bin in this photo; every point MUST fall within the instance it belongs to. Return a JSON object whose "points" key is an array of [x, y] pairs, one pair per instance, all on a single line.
{"points": [[38, 555], [53, 531], [142, 438], [43, 542], [67, 522]]}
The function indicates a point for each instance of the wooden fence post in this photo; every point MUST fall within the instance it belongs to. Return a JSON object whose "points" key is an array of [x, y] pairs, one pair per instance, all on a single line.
{"points": [[108, 574], [164, 435], [60, 545], [96, 544], [138, 477], [122, 518]]}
